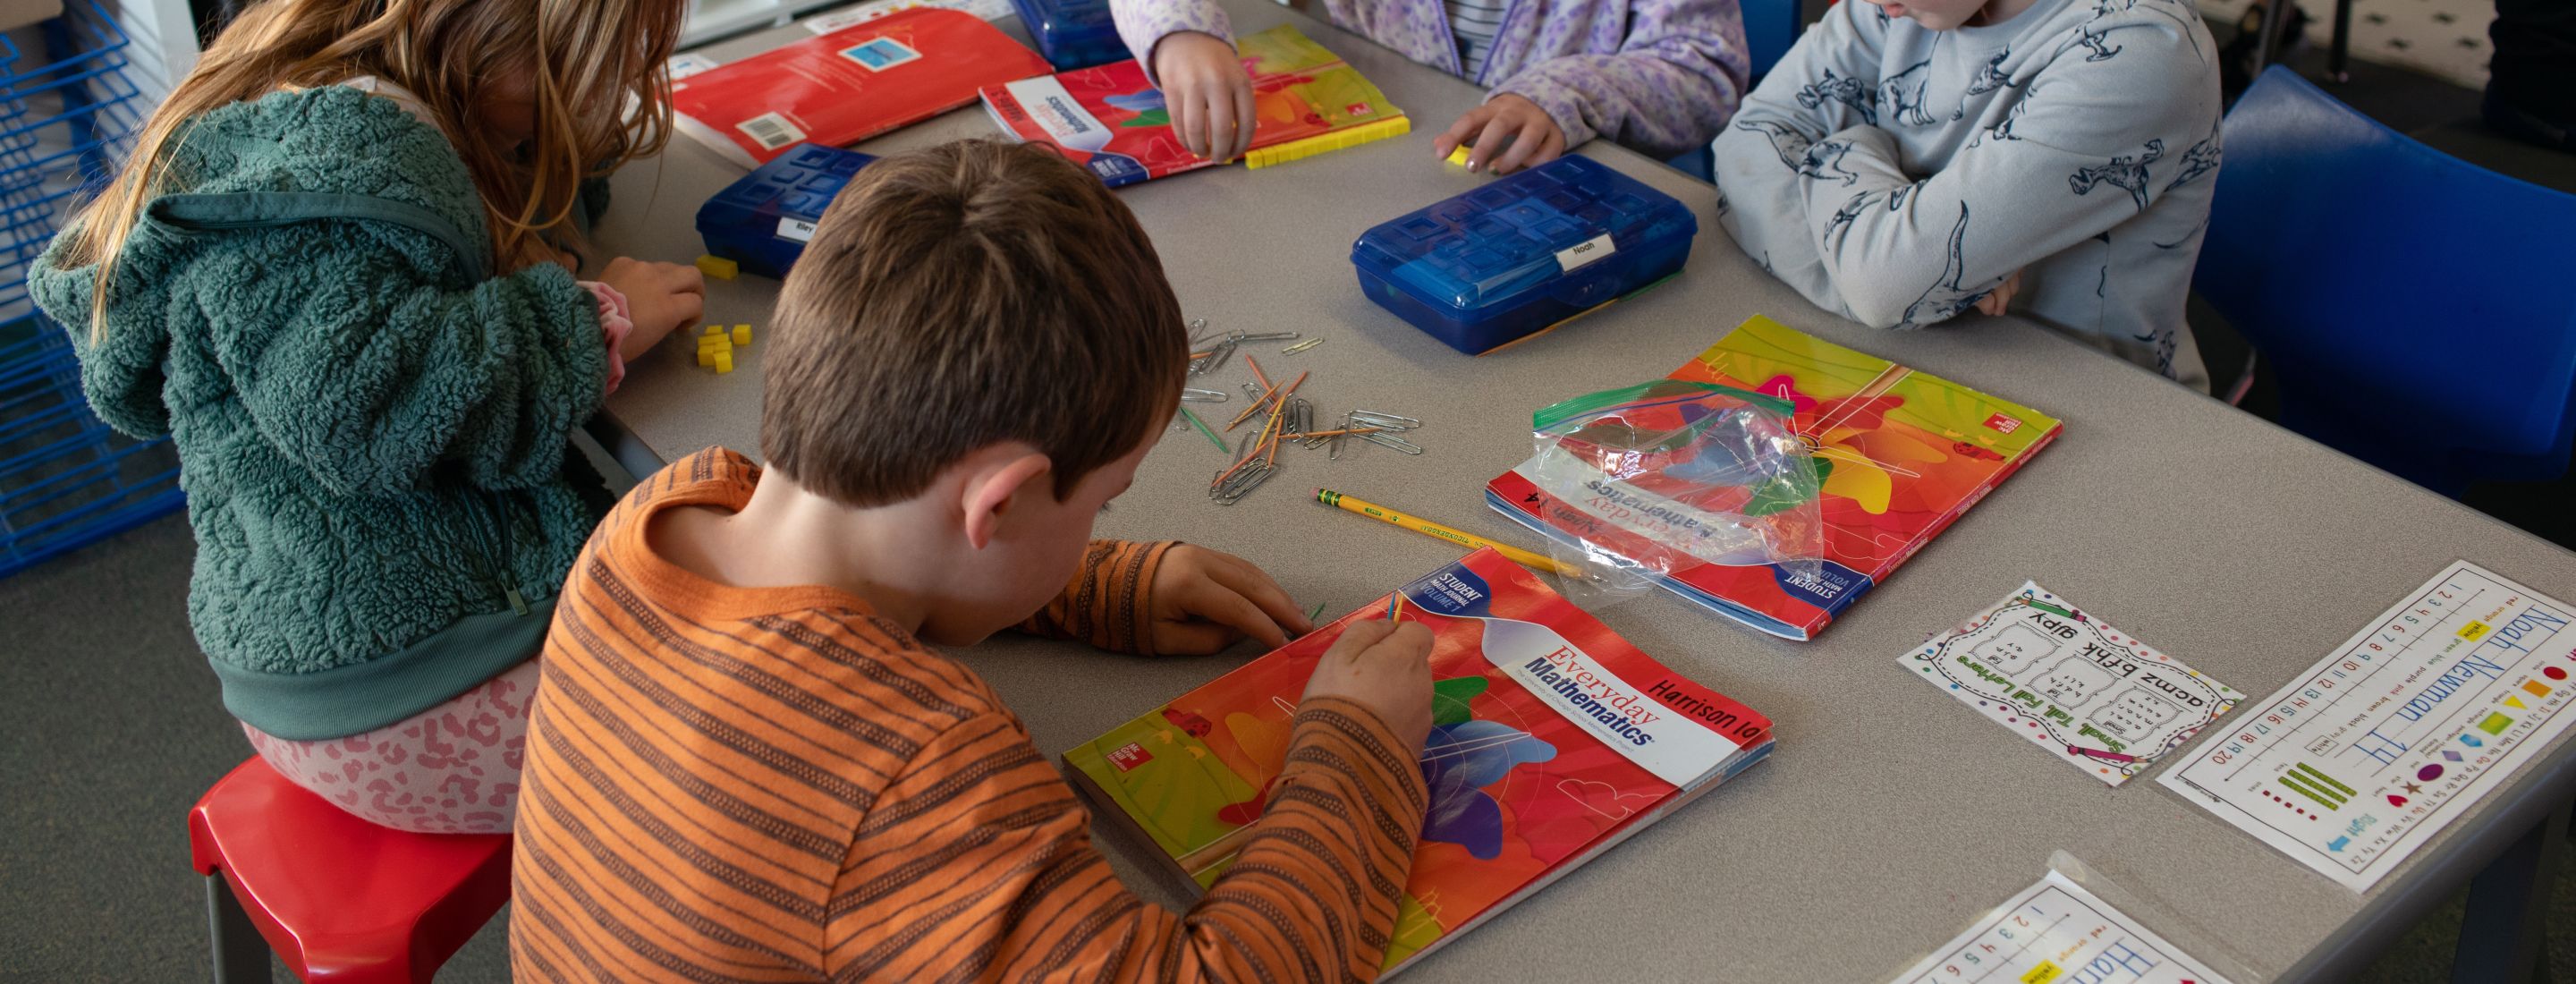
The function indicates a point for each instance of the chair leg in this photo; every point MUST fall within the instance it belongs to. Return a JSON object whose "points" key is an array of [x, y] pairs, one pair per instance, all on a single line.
{"points": [[2244, 381], [2275, 14], [2504, 933], [241, 955], [2339, 53]]}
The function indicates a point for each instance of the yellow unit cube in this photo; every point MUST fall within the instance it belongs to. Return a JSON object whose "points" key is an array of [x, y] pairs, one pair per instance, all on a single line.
{"points": [[742, 334], [724, 362], [718, 267]]}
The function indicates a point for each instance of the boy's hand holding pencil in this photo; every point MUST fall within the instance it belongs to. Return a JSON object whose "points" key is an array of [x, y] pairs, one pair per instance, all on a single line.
{"points": [[1385, 667]]}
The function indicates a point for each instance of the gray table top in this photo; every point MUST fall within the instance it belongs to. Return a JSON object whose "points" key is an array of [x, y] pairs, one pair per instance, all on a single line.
{"points": [[1891, 816]]}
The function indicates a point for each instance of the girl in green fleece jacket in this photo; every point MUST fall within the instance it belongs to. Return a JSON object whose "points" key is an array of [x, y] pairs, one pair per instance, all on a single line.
{"points": [[338, 272]]}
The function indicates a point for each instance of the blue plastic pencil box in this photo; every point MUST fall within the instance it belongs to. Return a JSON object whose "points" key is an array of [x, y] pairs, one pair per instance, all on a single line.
{"points": [[1524, 253], [1072, 33], [764, 220]]}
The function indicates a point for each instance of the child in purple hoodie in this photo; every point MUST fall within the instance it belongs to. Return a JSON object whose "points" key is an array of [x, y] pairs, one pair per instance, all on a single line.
{"points": [[1660, 76]]}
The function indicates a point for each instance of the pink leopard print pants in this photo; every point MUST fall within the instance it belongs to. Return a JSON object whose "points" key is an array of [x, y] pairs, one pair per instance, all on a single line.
{"points": [[452, 769]]}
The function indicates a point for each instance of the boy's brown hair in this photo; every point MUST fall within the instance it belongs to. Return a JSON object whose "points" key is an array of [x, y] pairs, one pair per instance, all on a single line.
{"points": [[959, 296]]}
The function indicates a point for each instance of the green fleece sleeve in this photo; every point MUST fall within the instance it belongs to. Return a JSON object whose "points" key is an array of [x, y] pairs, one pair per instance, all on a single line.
{"points": [[122, 370], [355, 362]]}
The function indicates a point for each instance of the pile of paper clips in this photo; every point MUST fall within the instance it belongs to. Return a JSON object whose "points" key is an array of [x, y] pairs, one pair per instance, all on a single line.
{"points": [[1284, 416]]}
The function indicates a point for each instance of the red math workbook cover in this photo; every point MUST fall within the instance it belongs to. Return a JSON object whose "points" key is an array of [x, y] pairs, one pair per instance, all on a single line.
{"points": [[1552, 740], [1903, 454], [1108, 119], [849, 85]]}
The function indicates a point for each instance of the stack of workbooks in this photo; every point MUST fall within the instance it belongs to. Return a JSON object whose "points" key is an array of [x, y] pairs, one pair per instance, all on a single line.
{"points": [[1902, 454], [1552, 740], [1109, 119], [848, 85]]}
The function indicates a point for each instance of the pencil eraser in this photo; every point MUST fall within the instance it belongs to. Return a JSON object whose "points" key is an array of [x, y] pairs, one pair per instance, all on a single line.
{"points": [[718, 267]]}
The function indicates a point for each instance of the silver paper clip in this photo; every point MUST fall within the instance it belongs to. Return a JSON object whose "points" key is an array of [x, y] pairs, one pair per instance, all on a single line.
{"points": [[1216, 357], [1391, 441], [1240, 484], [1389, 421], [1190, 395]]}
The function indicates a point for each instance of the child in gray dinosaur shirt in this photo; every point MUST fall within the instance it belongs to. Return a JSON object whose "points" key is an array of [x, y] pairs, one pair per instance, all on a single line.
{"points": [[1908, 161]]}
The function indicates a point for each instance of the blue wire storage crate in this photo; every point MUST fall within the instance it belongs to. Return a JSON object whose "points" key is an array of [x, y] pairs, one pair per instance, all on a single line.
{"points": [[66, 480]]}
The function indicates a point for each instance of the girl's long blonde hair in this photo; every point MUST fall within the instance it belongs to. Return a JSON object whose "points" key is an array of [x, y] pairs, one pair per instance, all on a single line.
{"points": [[585, 62]]}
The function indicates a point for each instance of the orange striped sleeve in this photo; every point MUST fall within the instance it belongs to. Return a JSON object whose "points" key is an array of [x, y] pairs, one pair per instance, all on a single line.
{"points": [[976, 864], [1108, 602]]}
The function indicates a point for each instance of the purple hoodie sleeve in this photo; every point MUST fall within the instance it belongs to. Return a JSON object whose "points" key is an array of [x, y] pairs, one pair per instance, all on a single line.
{"points": [[1143, 23], [1669, 88]]}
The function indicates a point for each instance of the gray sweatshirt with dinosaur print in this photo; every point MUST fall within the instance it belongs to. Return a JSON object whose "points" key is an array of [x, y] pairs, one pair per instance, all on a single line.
{"points": [[1895, 174]]}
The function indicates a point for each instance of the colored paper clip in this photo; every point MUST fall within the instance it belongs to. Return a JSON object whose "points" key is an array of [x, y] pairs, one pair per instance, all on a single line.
{"points": [[1190, 395], [1203, 429]]}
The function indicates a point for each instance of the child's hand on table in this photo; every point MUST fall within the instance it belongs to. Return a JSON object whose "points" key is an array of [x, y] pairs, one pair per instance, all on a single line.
{"points": [[1204, 600], [1533, 135], [1207, 94], [660, 298], [1998, 300], [1385, 667]]}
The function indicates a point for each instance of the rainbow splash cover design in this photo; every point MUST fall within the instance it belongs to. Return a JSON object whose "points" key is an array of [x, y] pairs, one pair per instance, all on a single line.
{"points": [[1107, 118], [1552, 739], [1902, 455]]}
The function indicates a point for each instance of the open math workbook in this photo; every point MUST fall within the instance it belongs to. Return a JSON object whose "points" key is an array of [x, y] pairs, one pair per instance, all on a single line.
{"points": [[1552, 740]]}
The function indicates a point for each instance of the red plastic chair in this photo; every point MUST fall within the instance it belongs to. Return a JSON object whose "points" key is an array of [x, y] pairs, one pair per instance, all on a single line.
{"points": [[340, 899]]}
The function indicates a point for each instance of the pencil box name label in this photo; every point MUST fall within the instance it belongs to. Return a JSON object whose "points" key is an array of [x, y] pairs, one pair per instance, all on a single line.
{"points": [[1587, 251]]}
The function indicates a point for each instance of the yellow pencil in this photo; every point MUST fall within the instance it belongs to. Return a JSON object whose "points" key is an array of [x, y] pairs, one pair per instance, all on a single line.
{"points": [[1429, 528]]}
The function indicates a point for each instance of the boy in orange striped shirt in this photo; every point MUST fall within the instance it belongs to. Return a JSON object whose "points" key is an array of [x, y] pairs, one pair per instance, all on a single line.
{"points": [[744, 763]]}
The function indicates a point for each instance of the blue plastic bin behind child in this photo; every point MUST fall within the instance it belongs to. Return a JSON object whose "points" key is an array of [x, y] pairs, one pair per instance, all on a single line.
{"points": [[66, 480]]}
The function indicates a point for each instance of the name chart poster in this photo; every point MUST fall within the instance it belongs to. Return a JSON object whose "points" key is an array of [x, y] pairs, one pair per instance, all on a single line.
{"points": [[2353, 767], [2055, 931]]}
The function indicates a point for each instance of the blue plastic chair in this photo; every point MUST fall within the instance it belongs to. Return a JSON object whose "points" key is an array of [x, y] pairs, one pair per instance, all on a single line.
{"points": [[2419, 312], [1770, 28]]}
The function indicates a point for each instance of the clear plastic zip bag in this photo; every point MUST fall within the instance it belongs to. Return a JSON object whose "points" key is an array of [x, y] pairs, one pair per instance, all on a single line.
{"points": [[1669, 475]]}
